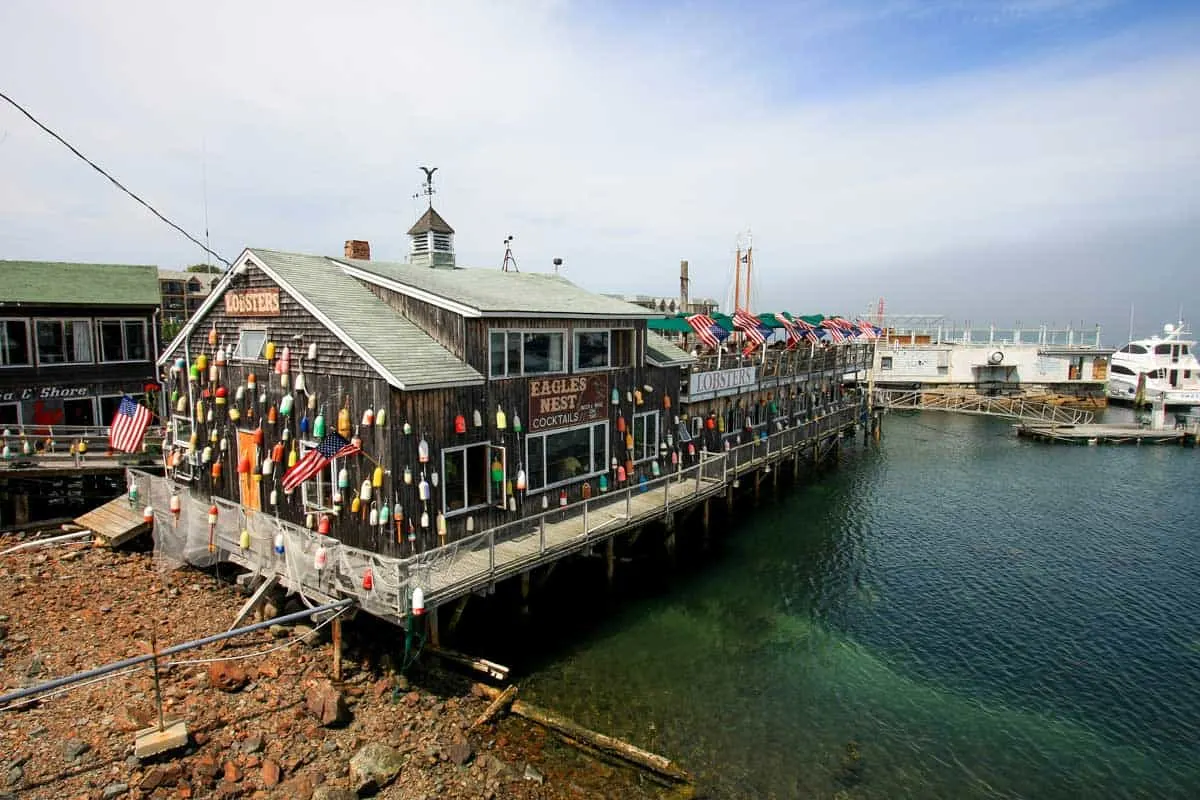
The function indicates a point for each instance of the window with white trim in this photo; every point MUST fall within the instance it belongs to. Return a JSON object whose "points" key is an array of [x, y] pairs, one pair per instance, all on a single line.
{"points": [[645, 436], [10, 413], [466, 477], [563, 456], [64, 341], [316, 493], [514, 353], [593, 350], [250, 344], [122, 340], [14, 343]]}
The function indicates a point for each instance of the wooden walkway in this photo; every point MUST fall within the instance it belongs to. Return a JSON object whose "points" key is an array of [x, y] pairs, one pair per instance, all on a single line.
{"points": [[1016, 408], [115, 522], [1105, 434], [556, 534]]}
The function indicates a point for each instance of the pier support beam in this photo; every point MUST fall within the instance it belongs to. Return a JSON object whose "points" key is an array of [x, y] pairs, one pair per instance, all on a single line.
{"points": [[706, 520], [456, 617], [526, 583], [435, 631], [610, 561]]}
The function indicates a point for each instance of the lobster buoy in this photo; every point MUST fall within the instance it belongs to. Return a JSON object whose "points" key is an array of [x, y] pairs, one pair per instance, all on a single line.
{"points": [[148, 515], [368, 582], [319, 558], [381, 418], [418, 602], [423, 489], [343, 423], [377, 477], [460, 424], [365, 491], [517, 423], [423, 451], [501, 419], [368, 418], [323, 525], [521, 480], [277, 545], [244, 539]]}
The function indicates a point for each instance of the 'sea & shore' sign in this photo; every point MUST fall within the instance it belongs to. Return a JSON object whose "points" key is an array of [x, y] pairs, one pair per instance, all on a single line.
{"points": [[252, 303], [562, 402], [705, 382]]}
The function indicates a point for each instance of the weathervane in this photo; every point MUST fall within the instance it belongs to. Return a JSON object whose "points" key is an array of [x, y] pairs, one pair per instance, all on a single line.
{"points": [[428, 189]]}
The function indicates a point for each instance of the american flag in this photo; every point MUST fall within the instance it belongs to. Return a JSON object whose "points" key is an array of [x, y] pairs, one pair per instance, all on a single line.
{"points": [[128, 426], [707, 330], [833, 330], [793, 331], [331, 447], [752, 326], [845, 324], [868, 330]]}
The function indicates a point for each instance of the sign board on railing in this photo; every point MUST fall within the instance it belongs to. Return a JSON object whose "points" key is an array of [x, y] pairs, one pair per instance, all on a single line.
{"points": [[561, 402], [701, 383]]}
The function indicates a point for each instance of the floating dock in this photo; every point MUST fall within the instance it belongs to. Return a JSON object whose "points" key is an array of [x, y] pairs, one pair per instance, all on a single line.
{"points": [[1107, 434]]}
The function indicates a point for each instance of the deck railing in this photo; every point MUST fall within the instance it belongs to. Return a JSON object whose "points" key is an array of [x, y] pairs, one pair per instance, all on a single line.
{"points": [[272, 546], [1016, 408]]}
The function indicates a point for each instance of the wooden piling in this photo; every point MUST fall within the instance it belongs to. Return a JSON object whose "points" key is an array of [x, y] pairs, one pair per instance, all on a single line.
{"points": [[336, 627], [459, 608], [435, 633], [610, 561], [525, 586]]}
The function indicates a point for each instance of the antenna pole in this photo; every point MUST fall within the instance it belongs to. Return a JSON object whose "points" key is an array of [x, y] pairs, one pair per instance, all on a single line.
{"points": [[737, 278], [204, 182]]}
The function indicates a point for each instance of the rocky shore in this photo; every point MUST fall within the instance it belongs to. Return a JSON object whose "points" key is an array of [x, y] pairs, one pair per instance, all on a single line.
{"points": [[265, 719]]}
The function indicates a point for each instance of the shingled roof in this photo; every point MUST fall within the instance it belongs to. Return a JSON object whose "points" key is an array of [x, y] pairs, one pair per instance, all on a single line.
{"points": [[62, 283], [493, 292], [430, 221]]}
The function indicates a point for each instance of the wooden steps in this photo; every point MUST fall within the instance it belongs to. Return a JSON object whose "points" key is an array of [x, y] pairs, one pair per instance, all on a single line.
{"points": [[114, 523]]}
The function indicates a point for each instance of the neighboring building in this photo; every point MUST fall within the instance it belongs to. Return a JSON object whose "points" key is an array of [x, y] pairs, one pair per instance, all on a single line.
{"points": [[482, 395], [73, 339], [181, 294], [670, 305]]}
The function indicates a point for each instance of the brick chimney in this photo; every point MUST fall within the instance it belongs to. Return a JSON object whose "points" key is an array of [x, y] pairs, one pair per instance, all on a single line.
{"points": [[357, 248]]}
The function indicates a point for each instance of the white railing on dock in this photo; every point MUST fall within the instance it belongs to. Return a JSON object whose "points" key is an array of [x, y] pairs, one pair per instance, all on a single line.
{"points": [[1016, 408], [465, 565]]}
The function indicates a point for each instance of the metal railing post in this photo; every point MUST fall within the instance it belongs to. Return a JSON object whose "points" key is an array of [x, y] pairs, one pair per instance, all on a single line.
{"points": [[585, 517], [628, 503], [491, 550], [541, 534]]}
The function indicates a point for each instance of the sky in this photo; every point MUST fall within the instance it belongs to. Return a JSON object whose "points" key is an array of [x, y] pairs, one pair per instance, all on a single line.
{"points": [[988, 160]]}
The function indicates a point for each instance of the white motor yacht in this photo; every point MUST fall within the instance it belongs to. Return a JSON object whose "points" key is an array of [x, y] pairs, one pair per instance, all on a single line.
{"points": [[1166, 366]]}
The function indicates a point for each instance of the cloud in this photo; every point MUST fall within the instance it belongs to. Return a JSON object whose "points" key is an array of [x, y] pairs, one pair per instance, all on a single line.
{"points": [[620, 140]]}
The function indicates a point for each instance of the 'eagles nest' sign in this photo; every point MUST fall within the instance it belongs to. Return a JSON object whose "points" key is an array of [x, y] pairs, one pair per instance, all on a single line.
{"points": [[252, 303], [561, 402]]}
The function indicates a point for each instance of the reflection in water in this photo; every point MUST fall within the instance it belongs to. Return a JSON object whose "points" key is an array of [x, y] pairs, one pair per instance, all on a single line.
{"points": [[957, 613]]}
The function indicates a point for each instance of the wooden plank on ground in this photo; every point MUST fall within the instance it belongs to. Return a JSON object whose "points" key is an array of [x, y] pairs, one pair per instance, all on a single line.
{"points": [[114, 523]]}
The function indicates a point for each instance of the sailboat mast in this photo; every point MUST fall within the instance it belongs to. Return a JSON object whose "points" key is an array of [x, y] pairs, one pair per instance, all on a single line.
{"points": [[737, 279]]}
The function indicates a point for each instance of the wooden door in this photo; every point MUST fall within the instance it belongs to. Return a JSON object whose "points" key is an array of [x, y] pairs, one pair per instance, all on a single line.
{"points": [[251, 496]]}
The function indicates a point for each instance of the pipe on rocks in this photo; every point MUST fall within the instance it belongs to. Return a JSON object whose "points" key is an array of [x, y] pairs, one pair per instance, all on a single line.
{"points": [[67, 680]]}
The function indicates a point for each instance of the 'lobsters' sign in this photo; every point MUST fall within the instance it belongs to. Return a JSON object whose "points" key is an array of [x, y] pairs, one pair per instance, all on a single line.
{"points": [[561, 402], [252, 303], [726, 379]]}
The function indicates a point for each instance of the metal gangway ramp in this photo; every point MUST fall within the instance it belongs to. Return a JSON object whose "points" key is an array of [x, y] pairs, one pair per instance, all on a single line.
{"points": [[1018, 409]]}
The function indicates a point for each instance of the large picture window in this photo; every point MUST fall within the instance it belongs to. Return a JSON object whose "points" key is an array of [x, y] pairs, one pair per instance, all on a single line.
{"points": [[64, 341], [645, 436], [514, 353], [563, 456], [122, 340], [14, 343], [592, 350], [466, 477]]}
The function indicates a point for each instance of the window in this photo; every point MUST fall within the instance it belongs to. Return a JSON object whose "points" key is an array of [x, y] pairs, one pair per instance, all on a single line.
{"points": [[10, 413], [316, 493], [566, 455], [122, 340], [592, 350], [1162, 350], [514, 353], [467, 479], [250, 344], [645, 436], [14, 342], [1121, 369], [64, 341], [885, 362], [1136, 349]]}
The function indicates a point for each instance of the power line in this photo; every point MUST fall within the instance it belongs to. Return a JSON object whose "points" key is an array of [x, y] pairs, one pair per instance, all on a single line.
{"points": [[114, 181]]}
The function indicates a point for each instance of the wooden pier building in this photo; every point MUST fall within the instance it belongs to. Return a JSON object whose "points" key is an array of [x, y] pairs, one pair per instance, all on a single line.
{"points": [[504, 420]]}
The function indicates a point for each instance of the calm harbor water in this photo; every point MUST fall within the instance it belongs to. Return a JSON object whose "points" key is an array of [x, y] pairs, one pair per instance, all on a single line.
{"points": [[954, 613]]}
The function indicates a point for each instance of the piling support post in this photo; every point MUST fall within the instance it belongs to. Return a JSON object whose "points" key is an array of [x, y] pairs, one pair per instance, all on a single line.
{"points": [[456, 617], [435, 632], [525, 586], [610, 561], [336, 625]]}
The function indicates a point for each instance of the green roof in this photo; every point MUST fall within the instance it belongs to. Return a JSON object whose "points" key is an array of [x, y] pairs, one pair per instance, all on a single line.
{"points": [[404, 354], [677, 324], [661, 353], [494, 292], [59, 283]]}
